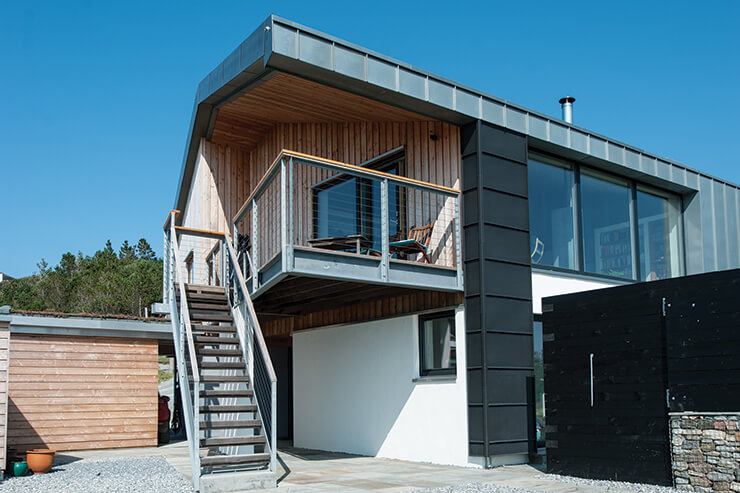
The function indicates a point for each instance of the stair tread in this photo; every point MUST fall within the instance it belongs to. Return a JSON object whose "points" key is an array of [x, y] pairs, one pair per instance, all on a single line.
{"points": [[213, 328], [206, 297], [218, 365], [205, 288], [215, 340], [218, 460], [223, 441], [233, 423], [224, 378], [226, 393], [208, 307], [237, 408], [210, 317], [201, 351]]}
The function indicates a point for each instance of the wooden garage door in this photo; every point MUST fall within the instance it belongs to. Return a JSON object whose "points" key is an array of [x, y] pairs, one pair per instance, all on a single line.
{"points": [[76, 393]]}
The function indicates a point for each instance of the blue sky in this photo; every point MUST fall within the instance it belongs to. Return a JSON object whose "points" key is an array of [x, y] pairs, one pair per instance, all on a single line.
{"points": [[97, 96]]}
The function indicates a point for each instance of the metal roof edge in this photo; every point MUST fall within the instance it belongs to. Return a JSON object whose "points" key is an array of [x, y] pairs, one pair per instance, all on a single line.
{"points": [[224, 81], [110, 327], [490, 97]]}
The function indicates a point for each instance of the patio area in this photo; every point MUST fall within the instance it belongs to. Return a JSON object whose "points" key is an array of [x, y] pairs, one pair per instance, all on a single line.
{"points": [[308, 471]]}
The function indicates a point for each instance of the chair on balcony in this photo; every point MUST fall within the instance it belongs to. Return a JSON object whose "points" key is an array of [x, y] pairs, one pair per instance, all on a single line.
{"points": [[417, 243]]}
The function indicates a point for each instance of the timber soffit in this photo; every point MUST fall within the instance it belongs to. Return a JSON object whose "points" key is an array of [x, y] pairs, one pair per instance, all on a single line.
{"points": [[280, 44]]}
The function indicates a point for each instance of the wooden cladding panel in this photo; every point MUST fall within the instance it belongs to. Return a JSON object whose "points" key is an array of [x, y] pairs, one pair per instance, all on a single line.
{"points": [[288, 99], [76, 393], [4, 335], [363, 312], [225, 174]]}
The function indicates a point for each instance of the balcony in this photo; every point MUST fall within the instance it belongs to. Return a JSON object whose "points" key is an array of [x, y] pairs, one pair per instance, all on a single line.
{"points": [[321, 233]]}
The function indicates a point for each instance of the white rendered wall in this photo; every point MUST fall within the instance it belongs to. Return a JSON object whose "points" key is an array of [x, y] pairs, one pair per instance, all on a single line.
{"points": [[354, 392], [553, 284]]}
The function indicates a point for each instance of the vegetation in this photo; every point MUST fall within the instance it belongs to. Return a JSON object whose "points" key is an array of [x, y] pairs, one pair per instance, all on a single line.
{"points": [[164, 375], [107, 282]]}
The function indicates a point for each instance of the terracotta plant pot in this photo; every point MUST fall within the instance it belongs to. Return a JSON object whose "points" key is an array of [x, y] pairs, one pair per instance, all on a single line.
{"points": [[40, 460]]}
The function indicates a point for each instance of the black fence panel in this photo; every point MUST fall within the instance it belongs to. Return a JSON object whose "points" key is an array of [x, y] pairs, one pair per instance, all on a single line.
{"points": [[703, 343], [604, 387], [618, 360]]}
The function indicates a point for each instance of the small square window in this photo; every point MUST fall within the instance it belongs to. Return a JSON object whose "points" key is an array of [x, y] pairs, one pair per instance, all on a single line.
{"points": [[437, 346]]}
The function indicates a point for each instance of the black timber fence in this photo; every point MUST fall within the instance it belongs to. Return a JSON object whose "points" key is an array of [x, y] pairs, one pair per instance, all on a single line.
{"points": [[618, 360]]}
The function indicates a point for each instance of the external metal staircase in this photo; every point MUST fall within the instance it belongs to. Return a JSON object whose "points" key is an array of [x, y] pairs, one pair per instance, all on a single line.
{"points": [[227, 383]]}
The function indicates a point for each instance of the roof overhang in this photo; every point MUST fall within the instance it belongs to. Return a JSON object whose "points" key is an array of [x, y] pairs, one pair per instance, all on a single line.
{"points": [[282, 45]]}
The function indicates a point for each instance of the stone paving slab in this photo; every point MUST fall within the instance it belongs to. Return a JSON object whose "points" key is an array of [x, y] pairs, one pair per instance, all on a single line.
{"points": [[309, 471]]}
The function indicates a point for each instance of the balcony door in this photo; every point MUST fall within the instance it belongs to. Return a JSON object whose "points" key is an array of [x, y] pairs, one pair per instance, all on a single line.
{"points": [[345, 205]]}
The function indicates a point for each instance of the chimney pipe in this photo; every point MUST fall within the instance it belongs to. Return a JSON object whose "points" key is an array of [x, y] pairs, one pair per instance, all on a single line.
{"points": [[566, 104]]}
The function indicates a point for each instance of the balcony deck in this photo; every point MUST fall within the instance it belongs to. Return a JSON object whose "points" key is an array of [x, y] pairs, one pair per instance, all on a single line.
{"points": [[294, 277]]}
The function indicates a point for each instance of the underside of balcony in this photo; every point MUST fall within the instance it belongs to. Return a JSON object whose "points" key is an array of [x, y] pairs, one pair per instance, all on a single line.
{"points": [[295, 296]]}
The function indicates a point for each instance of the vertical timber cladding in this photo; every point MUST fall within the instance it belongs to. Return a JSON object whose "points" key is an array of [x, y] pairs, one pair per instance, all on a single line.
{"points": [[498, 291]]}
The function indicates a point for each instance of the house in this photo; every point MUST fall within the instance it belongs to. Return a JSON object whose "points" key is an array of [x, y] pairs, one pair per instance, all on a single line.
{"points": [[5, 277], [386, 237]]}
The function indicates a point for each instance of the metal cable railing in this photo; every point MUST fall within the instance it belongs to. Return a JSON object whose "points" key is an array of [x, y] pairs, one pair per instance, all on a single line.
{"points": [[184, 345], [261, 372], [307, 202]]}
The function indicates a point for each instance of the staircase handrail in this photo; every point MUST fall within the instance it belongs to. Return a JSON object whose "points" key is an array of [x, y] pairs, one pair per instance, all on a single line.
{"points": [[241, 285], [185, 312], [190, 403], [252, 313]]}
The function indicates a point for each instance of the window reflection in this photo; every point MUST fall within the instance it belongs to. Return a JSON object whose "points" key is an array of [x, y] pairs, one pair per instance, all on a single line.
{"points": [[605, 213], [437, 343], [607, 229], [657, 219], [539, 380], [551, 215]]}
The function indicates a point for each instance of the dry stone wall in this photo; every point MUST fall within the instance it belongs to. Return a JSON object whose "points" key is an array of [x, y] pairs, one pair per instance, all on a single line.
{"points": [[705, 451]]}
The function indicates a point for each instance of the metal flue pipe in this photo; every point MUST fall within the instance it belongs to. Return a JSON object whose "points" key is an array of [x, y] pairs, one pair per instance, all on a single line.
{"points": [[566, 104]]}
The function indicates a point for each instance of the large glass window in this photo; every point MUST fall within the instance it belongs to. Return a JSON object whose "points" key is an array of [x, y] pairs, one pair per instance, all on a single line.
{"points": [[437, 343], [605, 214], [657, 219], [551, 215], [616, 215]]}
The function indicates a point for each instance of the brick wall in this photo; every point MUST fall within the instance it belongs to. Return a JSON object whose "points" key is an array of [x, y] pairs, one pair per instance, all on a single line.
{"points": [[705, 451]]}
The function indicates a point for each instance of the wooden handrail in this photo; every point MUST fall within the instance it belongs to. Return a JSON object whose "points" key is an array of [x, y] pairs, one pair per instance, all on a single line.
{"points": [[353, 169], [200, 232], [368, 171], [169, 216]]}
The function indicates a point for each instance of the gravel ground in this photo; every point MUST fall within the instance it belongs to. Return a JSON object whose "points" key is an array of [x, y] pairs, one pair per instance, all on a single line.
{"points": [[476, 488], [610, 486], [616, 486], [121, 475]]}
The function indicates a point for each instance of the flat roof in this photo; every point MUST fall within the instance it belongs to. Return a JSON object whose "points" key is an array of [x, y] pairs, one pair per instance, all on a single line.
{"points": [[87, 324], [283, 45]]}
